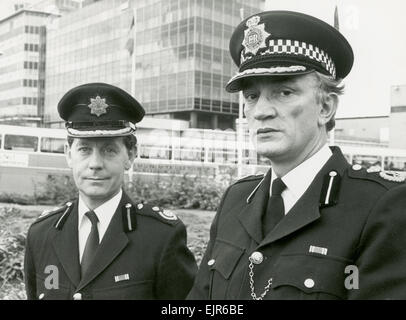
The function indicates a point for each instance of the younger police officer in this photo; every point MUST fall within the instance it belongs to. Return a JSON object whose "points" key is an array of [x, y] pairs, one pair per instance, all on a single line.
{"points": [[103, 245], [313, 227]]}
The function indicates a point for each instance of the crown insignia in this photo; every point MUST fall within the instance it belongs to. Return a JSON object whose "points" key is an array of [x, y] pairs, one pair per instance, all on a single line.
{"points": [[98, 106], [254, 36]]}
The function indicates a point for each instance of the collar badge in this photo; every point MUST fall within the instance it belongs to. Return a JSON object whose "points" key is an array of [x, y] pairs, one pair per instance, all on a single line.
{"points": [[254, 36], [98, 106]]}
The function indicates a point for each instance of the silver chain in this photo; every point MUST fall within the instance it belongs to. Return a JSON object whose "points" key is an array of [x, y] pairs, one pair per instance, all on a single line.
{"points": [[267, 287]]}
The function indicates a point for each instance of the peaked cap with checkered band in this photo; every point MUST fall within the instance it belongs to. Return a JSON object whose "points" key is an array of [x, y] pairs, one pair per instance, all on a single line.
{"points": [[99, 110], [286, 43]]}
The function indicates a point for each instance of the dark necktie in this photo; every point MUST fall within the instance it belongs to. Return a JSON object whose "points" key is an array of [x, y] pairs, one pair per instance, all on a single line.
{"points": [[91, 244], [275, 210]]}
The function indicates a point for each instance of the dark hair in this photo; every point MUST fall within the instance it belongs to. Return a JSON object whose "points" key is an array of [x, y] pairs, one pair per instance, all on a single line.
{"points": [[130, 142]]}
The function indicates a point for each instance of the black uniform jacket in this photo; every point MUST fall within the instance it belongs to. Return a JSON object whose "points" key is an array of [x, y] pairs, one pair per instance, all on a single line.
{"points": [[345, 238], [143, 255]]}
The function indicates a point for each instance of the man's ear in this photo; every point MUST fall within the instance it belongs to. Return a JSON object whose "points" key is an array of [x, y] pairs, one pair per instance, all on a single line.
{"points": [[131, 157], [68, 154], [328, 108]]}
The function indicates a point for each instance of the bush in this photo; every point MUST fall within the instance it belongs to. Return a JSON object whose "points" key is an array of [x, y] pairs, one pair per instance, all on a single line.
{"points": [[185, 192], [17, 198], [11, 248], [57, 189], [177, 192]]}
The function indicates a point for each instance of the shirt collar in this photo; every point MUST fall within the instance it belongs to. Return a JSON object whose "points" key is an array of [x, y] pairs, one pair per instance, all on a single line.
{"points": [[103, 212], [299, 179]]}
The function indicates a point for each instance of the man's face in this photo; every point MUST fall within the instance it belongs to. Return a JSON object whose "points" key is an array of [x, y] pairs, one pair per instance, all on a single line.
{"points": [[283, 115], [98, 166]]}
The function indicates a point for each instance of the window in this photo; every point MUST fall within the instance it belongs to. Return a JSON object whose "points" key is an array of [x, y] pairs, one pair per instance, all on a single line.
{"points": [[19, 142], [52, 145]]}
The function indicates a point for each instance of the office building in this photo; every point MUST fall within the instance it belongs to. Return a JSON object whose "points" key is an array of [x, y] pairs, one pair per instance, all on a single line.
{"points": [[22, 60], [181, 60]]}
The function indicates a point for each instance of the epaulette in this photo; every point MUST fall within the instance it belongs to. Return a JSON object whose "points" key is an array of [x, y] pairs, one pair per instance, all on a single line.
{"points": [[158, 213], [385, 178], [250, 177], [49, 213]]}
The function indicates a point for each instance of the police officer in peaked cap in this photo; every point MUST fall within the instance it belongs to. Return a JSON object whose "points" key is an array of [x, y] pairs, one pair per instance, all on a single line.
{"points": [[312, 227], [103, 245]]}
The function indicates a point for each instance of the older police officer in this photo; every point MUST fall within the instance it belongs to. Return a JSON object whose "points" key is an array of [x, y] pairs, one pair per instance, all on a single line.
{"points": [[313, 227], [103, 245]]}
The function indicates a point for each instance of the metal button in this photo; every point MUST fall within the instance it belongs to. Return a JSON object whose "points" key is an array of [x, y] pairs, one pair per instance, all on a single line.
{"points": [[356, 167], [77, 296], [332, 173], [41, 296], [309, 283], [257, 257], [140, 206], [211, 262]]}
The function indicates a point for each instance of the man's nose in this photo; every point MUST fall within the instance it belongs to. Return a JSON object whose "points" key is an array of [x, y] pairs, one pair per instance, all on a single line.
{"points": [[264, 108], [96, 160]]}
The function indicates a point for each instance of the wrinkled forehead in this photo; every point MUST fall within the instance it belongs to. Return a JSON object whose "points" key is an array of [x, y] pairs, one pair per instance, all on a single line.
{"points": [[309, 79]]}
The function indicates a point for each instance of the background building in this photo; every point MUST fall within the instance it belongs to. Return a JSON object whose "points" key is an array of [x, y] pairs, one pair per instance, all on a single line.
{"points": [[22, 60], [398, 117], [181, 58], [22, 67], [373, 131]]}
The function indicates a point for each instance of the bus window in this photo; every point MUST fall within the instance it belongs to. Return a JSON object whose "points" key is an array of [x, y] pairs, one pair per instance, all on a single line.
{"points": [[20, 143], [52, 145], [367, 161], [395, 163]]}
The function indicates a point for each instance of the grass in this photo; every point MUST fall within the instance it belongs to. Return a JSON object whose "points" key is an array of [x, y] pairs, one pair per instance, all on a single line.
{"points": [[15, 220]]}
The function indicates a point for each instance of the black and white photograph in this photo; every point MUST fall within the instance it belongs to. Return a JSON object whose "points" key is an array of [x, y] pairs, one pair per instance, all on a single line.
{"points": [[196, 150]]}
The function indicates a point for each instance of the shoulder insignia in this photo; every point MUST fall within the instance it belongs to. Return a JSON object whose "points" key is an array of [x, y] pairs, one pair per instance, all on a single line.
{"points": [[167, 214], [48, 213], [156, 212], [374, 169], [385, 178], [250, 178], [392, 176]]}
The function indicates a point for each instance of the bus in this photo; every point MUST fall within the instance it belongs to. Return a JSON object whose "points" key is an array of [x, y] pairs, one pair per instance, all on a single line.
{"points": [[28, 155]]}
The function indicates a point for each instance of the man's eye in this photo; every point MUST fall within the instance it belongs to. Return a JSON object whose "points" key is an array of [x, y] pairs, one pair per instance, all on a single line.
{"points": [[110, 150], [84, 149], [249, 96], [286, 93]]}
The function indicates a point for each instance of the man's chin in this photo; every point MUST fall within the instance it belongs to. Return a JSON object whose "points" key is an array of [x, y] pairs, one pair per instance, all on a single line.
{"points": [[269, 151]]}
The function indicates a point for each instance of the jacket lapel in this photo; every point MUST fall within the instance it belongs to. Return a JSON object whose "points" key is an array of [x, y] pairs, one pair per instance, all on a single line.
{"points": [[306, 210], [114, 241], [66, 246], [250, 215]]}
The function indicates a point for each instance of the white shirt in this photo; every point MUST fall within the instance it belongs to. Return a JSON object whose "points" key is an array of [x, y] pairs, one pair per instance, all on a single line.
{"points": [[104, 213], [299, 179]]}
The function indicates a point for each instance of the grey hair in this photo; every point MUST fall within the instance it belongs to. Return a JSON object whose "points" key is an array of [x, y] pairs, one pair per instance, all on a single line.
{"points": [[329, 85]]}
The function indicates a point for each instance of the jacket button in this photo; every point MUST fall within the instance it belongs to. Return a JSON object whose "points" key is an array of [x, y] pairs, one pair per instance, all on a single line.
{"points": [[77, 296], [309, 283], [257, 257], [41, 296], [356, 167], [211, 262]]}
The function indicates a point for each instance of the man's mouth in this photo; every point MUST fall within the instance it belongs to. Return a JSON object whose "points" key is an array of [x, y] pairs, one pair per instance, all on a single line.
{"points": [[266, 130]]}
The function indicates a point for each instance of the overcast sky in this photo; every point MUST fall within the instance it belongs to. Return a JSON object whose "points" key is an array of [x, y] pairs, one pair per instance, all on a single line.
{"points": [[375, 29]]}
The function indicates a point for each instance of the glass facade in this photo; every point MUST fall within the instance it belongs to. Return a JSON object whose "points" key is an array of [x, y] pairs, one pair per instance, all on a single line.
{"points": [[181, 58], [87, 45]]}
